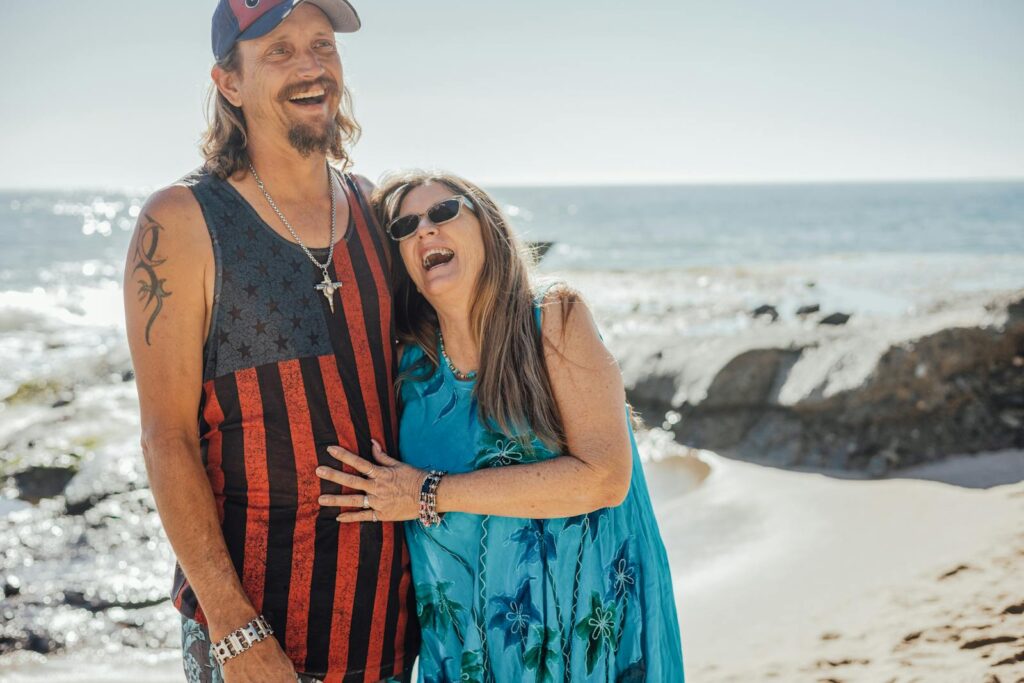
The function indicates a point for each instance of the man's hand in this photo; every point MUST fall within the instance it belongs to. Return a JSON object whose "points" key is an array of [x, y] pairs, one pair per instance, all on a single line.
{"points": [[265, 662]]}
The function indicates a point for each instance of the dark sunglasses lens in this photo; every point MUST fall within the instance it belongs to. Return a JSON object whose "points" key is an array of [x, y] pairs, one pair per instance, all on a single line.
{"points": [[443, 211], [401, 228]]}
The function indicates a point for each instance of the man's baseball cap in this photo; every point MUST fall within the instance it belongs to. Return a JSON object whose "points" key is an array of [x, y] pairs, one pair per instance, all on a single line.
{"points": [[236, 20]]}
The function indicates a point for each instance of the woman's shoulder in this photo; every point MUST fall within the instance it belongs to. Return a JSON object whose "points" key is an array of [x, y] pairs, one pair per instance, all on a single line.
{"points": [[559, 306]]}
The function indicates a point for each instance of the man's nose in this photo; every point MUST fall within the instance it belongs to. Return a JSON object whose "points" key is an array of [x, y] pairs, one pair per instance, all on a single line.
{"points": [[310, 65]]}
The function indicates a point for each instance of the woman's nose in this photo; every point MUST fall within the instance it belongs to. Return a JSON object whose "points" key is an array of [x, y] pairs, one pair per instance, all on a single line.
{"points": [[426, 226]]}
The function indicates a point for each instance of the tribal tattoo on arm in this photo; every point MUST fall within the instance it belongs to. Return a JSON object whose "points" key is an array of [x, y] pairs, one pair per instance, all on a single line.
{"points": [[151, 286]]}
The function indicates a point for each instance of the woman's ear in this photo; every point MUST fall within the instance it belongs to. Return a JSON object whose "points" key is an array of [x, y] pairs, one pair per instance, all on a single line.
{"points": [[227, 84]]}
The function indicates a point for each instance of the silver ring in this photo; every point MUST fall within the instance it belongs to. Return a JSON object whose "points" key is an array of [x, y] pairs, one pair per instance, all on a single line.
{"points": [[373, 514], [369, 472], [366, 501]]}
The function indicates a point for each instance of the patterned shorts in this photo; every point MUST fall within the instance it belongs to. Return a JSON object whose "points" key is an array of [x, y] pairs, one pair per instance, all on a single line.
{"points": [[201, 666]]}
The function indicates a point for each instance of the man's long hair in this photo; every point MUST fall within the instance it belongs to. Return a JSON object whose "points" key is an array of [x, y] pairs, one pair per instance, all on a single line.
{"points": [[512, 388], [224, 144]]}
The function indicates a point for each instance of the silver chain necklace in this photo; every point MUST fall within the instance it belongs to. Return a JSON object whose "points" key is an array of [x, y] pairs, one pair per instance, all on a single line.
{"points": [[327, 286]]}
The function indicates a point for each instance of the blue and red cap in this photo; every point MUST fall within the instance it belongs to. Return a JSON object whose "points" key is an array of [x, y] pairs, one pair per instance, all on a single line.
{"points": [[236, 20]]}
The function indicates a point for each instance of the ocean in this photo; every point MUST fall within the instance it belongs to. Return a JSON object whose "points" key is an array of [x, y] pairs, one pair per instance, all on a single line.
{"points": [[712, 251]]}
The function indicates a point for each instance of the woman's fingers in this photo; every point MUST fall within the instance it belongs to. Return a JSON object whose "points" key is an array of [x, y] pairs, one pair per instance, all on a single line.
{"points": [[349, 500], [360, 516], [357, 463], [382, 457], [350, 480]]}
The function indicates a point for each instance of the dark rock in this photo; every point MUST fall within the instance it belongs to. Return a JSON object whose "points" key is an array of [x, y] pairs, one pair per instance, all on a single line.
{"points": [[874, 398], [808, 309], [80, 507], [37, 483], [879, 463], [765, 310], [835, 319], [98, 601], [11, 586]]}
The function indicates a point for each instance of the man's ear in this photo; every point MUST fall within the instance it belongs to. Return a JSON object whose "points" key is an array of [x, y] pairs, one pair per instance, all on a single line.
{"points": [[227, 84]]}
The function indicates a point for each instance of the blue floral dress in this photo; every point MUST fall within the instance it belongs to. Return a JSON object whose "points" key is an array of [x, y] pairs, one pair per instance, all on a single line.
{"points": [[505, 599]]}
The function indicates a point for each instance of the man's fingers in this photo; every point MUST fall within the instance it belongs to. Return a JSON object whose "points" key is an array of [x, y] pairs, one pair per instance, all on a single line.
{"points": [[351, 500]]}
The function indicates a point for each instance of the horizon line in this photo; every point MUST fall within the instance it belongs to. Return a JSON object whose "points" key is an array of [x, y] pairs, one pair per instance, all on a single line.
{"points": [[611, 183]]}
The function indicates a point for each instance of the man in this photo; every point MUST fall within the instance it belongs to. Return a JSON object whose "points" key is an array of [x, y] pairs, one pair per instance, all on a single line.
{"points": [[257, 300]]}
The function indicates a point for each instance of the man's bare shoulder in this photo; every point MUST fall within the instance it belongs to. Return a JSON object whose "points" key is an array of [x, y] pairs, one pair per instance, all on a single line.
{"points": [[173, 214]]}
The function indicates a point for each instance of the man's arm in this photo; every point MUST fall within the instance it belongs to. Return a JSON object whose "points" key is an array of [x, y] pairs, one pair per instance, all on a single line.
{"points": [[169, 259]]}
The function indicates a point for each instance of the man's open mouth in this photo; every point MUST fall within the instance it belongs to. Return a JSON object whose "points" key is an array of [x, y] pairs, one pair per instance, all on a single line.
{"points": [[437, 257], [310, 97]]}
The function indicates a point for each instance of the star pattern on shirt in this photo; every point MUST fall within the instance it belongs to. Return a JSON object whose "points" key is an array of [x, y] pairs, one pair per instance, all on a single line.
{"points": [[267, 296]]}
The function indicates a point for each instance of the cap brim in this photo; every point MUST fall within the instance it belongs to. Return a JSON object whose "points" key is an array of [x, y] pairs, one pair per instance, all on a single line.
{"points": [[341, 14]]}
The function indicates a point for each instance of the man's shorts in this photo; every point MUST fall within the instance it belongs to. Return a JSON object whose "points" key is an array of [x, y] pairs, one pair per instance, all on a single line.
{"points": [[201, 666]]}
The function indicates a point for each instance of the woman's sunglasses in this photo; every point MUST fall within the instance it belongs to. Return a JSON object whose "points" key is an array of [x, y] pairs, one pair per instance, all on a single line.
{"points": [[442, 212]]}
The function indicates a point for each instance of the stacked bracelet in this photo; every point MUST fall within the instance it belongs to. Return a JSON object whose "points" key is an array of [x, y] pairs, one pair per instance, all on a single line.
{"points": [[428, 499], [240, 640]]}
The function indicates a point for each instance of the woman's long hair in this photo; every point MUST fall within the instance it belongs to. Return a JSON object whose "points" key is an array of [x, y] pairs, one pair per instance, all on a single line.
{"points": [[224, 144], [512, 386]]}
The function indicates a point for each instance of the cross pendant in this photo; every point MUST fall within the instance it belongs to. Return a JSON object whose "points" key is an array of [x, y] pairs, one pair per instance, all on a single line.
{"points": [[328, 288]]}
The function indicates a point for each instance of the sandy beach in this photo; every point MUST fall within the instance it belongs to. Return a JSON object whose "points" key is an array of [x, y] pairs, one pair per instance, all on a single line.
{"points": [[804, 577]]}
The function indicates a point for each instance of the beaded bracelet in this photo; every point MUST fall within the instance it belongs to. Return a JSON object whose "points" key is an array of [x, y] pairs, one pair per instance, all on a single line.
{"points": [[428, 499]]}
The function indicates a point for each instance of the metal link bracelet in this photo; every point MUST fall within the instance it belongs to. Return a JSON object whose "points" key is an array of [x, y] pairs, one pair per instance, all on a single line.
{"points": [[241, 639], [428, 499]]}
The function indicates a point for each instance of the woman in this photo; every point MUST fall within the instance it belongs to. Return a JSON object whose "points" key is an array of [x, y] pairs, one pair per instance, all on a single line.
{"points": [[537, 556]]}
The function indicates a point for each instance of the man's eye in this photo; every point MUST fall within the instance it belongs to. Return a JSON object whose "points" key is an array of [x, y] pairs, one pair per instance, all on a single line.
{"points": [[276, 51], [325, 44]]}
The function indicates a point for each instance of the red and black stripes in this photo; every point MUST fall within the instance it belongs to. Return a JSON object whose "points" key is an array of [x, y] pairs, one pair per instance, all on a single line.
{"points": [[338, 596]]}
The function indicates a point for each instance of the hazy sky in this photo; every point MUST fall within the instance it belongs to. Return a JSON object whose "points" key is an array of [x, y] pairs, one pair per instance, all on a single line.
{"points": [[109, 92]]}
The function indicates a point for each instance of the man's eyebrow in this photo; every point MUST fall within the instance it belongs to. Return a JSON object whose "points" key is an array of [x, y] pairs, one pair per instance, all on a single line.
{"points": [[286, 36]]}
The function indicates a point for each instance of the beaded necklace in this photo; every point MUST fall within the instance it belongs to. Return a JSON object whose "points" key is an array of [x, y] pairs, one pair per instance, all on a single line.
{"points": [[459, 374]]}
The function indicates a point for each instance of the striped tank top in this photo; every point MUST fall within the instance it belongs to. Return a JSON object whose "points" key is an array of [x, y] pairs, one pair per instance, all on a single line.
{"points": [[284, 378]]}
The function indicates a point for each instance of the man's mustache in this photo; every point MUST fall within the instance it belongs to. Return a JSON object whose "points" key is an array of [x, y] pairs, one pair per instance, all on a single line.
{"points": [[330, 87]]}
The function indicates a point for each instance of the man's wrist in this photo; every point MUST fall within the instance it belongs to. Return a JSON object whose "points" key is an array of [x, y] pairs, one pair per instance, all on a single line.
{"points": [[241, 640], [227, 619]]}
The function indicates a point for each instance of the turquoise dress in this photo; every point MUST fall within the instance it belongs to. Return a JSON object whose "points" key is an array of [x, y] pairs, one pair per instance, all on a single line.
{"points": [[506, 599]]}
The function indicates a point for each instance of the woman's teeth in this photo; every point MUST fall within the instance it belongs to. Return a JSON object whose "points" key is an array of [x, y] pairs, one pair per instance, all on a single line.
{"points": [[437, 257]]}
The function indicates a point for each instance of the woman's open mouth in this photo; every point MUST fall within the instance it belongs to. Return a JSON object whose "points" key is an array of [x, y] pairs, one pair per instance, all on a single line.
{"points": [[437, 257]]}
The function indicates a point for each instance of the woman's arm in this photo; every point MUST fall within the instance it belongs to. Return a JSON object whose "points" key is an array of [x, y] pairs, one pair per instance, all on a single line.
{"points": [[587, 387]]}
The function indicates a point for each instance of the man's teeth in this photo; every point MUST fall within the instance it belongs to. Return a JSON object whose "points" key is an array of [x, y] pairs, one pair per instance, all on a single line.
{"points": [[307, 95]]}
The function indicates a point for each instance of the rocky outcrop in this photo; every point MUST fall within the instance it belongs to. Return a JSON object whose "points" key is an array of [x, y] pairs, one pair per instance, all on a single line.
{"points": [[869, 396]]}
